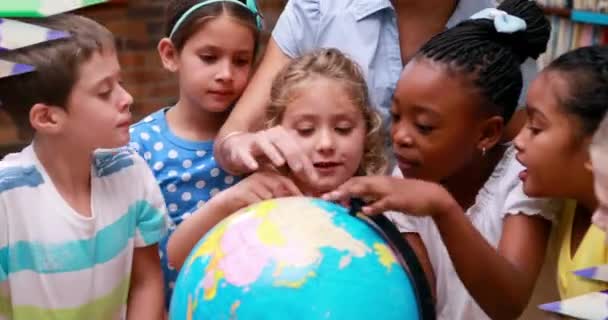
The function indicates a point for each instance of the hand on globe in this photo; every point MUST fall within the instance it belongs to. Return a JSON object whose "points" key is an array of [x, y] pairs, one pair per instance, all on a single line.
{"points": [[294, 258], [261, 185], [383, 193]]}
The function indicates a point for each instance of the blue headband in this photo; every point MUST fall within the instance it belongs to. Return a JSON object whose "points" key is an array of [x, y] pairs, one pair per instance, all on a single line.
{"points": [[251, 6]]}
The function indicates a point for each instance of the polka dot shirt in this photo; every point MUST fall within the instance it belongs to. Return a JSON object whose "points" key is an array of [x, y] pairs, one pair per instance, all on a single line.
{"points": [[186, 172]]}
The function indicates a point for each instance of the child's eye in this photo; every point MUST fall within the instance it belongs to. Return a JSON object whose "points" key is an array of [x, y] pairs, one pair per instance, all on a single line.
{"points": [[533, 130], [105, 94], [424, 129], [344, 130], [533, 127], [241, 62], [395, 117], [207, 58], [305, 132]]}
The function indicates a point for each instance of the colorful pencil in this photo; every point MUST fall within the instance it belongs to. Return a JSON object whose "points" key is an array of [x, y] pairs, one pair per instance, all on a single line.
{"points": [[591, 306], [599, 273], [8, 68], [41, 8], [16, 34]]}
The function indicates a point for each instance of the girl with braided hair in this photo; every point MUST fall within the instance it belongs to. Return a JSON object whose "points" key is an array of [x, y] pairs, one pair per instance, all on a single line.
{"points": [[380, 35], [457, 189], [566, 104]]}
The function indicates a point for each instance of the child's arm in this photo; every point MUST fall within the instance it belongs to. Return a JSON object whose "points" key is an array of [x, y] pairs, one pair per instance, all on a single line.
{"points": [[259, 186], [414, 240], [146, 290], [241, 153], [503, 284], [190, 231], [502, 281], [146, 300]]}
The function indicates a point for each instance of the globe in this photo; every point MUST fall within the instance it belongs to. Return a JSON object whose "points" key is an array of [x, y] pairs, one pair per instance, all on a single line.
{"points": [[293, 258]]}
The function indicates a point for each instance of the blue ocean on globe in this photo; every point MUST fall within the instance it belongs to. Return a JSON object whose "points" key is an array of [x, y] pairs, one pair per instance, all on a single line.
{"points": [[293, 258]]}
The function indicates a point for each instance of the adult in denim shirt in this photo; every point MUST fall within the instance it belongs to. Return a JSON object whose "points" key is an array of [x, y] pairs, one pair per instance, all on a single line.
{"points": [[380, 35]]}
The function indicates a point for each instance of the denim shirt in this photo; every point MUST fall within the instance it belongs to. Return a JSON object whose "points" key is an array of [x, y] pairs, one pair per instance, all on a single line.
{"points": [[366, 30]]}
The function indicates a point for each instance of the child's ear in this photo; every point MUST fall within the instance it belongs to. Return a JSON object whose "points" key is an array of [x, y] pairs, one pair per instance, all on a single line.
{"points": [[491, 132], [169, 55], [47, 119]]}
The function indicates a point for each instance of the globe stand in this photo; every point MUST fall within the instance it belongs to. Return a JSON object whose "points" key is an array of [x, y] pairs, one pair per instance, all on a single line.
{"points": [[406, 256]]}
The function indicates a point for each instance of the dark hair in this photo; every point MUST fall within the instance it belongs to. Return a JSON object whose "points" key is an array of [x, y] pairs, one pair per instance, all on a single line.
{"points": [[176, 8], [57, 65], [493, 59], [587, 96]]}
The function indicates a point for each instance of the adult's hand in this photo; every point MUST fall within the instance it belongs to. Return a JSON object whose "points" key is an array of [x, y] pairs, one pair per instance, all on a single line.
{"points": [[248, 113], [246, 151]]}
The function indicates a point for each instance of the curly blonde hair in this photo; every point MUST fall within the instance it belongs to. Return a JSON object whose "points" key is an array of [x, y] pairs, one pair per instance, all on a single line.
{"points": [[333, 65]]}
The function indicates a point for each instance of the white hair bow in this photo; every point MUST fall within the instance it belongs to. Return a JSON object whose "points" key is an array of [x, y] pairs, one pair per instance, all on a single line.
{"points": [[503, 22]]}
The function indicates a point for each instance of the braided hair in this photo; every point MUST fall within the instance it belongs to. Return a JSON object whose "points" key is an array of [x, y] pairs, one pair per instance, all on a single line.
{"points": [[493, 59], [587, 72]]}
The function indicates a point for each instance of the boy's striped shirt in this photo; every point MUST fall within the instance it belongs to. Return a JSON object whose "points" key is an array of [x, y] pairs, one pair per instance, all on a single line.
{"points": [[57, 264]]}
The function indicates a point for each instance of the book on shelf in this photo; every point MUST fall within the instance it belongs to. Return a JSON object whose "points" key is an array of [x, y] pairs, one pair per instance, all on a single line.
{"points": [[574, 24], [591, 5], [555, 3], [585, 5]]}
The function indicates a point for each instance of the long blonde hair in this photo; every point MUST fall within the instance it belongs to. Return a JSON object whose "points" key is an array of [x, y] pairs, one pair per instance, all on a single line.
{"points": [[333, 65]]}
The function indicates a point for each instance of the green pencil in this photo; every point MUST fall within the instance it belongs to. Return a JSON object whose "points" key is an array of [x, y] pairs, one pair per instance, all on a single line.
{"points": [[41, 8]]}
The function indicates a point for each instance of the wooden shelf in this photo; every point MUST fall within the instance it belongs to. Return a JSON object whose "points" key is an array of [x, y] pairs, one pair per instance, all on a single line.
{"points": [[101, 6], [580, 16], [557, 11]]}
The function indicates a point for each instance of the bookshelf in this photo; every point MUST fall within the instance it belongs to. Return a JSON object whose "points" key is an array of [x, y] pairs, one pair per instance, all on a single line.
{"points": [[557, 11], [580, 16], [574, 24]]}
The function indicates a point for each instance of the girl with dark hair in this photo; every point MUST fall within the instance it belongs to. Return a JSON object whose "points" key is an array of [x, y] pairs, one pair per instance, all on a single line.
{"points": [[210, 45], [566, 104], [457, 186]]}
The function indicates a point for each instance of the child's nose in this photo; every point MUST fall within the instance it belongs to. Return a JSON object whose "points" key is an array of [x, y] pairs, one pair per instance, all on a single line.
{"points": [[225, 72], [325, 141], [401, 136], [518, 141], [126, 99]]}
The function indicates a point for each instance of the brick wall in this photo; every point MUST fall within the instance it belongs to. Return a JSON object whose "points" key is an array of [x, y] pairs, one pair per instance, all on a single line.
{"points": [[138, 25]]}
